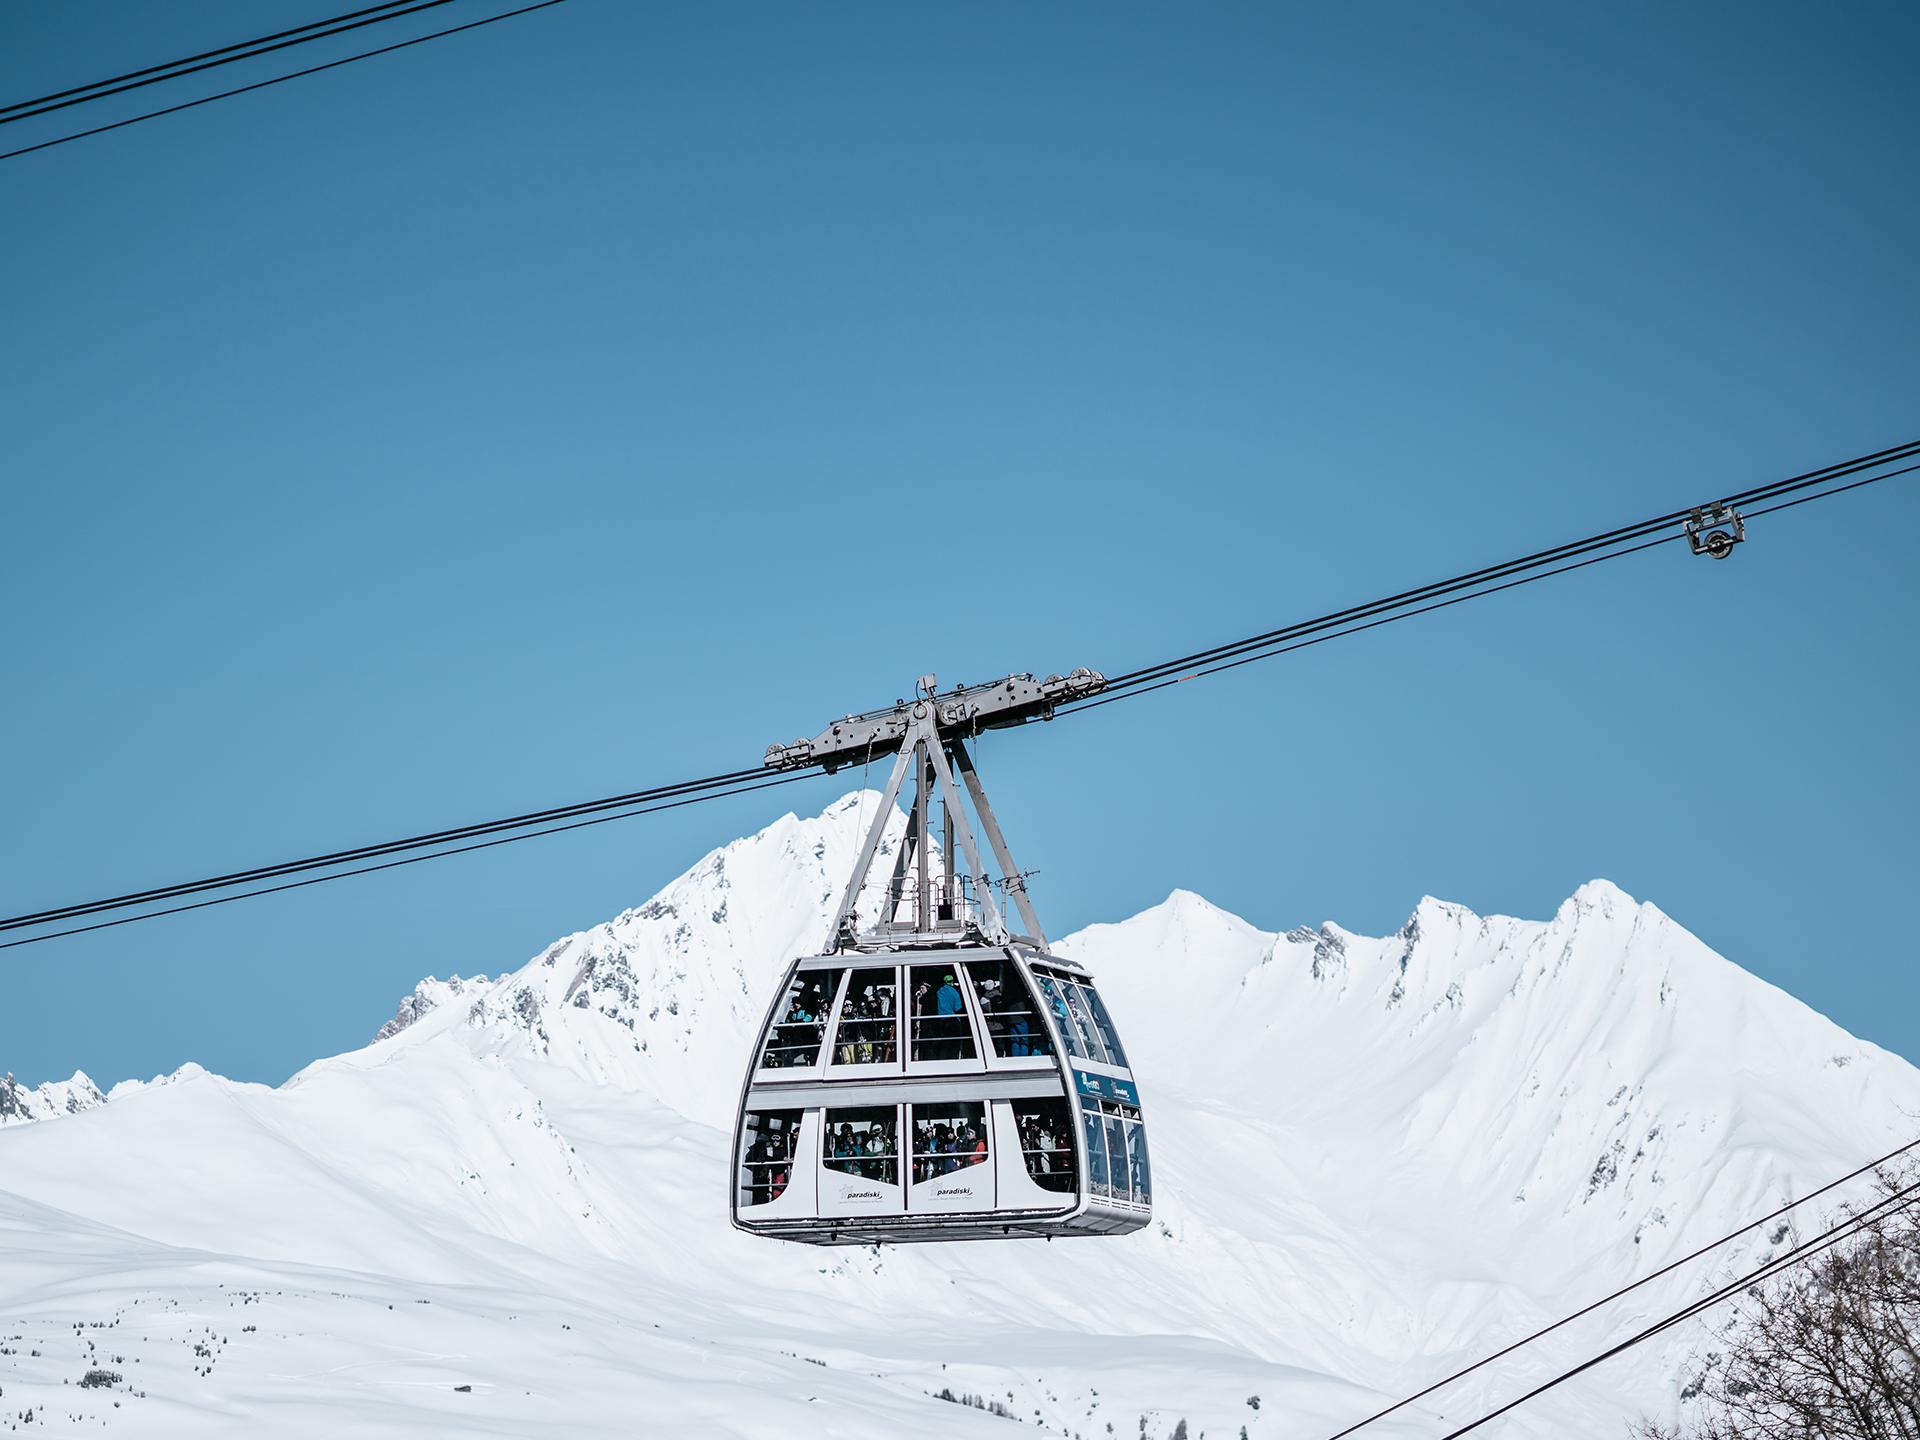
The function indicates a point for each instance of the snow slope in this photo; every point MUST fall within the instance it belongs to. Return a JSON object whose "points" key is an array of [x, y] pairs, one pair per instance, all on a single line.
{"points": [[1376, 1158]]}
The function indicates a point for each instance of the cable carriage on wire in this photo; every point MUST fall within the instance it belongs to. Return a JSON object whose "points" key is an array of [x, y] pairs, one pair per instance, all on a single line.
{"points": [[936, 1075]]}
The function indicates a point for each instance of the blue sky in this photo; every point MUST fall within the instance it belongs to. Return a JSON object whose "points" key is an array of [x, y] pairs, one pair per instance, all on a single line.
{"points": [[585, 402]]}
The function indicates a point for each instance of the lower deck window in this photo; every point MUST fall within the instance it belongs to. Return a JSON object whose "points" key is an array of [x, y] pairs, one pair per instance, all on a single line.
{"points": [[1117, 1165], [1046, 1143], [766, 1154], [1139, 1172], [1090, 1120], [948, 1137], [862, 1142]]}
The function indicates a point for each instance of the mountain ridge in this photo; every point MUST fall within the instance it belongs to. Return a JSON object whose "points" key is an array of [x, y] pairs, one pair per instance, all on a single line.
{"points": [[1377, 1157]]}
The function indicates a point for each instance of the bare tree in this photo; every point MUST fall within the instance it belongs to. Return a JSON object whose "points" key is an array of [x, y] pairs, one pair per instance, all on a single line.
{"points": [[1826, 1350]]}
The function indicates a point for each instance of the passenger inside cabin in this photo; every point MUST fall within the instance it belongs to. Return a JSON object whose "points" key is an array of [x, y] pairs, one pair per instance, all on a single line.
{"points": [[1058, 1005], [780, 1167], [942, 1032], [757, 1158], [865, 1036], [769, 1165], [1007, 1011], [795, 1040], [991, 1013], [1019, 1035], [971, 1147]]}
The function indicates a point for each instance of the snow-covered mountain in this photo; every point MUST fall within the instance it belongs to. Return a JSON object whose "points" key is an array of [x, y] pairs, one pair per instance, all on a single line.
{"points": [[21, 1103], [1376, 1159]]}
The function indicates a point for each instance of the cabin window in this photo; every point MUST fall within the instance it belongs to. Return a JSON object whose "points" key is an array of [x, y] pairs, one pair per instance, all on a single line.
{"points": [[1086, 1033], [1046, 1143], [795, 1038], [1053, 996], [869, 1022], [1116, 1151], [948, 1137], [1103, 1022], [1014, 1026], [766, 1154], [862, 1142], [1139, 1173], [1118, 1182], [1093, 1124], [940, 1028]]}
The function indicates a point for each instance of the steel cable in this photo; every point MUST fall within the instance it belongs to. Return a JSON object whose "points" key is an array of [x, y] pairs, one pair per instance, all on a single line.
{"points": [[1611, 545], [1833, 1235], [1620, 535], [363, 852], [764, 784], [1625, 1290], [1335, 629], [213, 59], [277, 79]]}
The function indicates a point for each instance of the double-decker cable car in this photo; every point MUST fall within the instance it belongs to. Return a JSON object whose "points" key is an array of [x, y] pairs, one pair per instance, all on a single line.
{"points": [[934, 1075]]}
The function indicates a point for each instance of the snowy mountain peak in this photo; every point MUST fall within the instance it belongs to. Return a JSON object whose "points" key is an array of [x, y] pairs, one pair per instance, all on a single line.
{"points": [[20, 1104], [663, 998], [1605, 896], [429, 995]]}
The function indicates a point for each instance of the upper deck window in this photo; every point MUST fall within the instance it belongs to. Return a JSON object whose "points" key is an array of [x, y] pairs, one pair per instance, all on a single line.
{"points": [[869, 1032], [1014, 1026], [941, 1030], [1053, 994], [1082, 1017], [1104, 1023], [795, 1038], [1083, 1025]]}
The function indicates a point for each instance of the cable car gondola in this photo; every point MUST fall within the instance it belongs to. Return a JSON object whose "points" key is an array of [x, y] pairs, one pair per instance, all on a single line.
{"points": [[936, 1076]]}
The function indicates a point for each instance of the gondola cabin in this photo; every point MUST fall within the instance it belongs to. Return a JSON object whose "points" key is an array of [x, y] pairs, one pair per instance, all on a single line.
{"points": [[966, 1093], [934, 1075]]}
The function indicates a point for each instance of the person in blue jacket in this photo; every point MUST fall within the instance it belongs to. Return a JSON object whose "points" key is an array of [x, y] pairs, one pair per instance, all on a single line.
{"points": [[947, 1003]]}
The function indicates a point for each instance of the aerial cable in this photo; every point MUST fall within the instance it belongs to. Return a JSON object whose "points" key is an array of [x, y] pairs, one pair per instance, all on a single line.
{"points": [[189, 59], [364, 852], [1625, 1290], [1545, 557], [1872, 1215], [762, 784], [1338, 634], [1334, 629], [212, 59], [278, 79], [1619, 536], [1139, 682]]}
